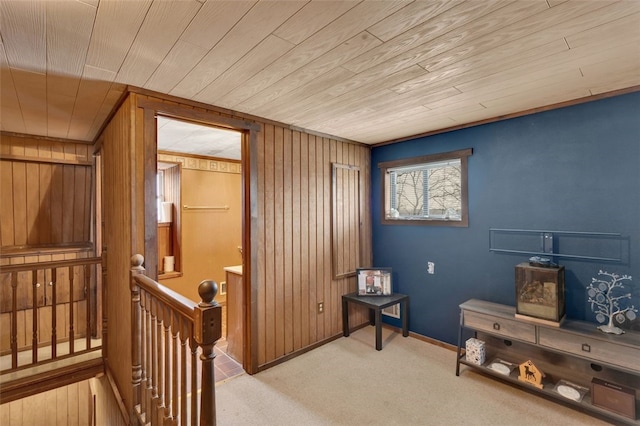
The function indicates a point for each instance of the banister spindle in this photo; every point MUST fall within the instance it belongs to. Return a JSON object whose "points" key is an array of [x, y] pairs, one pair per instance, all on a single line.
{"points": [[136, 329], [54, 314], [14, 320], [193, 347], [160, 356], [149, 353], [168, 414], [154, 361], [87, 299], [71, 327], [34, 326], [184, 333], [207, 330]]}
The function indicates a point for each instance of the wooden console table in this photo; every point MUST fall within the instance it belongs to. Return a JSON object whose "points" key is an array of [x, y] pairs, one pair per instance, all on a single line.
{"points": [[376, 304], [575, 351]]}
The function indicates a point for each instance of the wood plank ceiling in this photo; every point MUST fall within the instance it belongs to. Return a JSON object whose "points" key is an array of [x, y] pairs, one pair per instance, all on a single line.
{"points": [[369, 71]]}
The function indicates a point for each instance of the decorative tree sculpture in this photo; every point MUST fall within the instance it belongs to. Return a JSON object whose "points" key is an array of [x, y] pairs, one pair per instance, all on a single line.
{"points": [[605, 297]]}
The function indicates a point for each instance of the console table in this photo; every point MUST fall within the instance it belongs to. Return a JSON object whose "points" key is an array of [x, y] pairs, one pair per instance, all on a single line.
{"points": [[376, 304], [574, 351]]}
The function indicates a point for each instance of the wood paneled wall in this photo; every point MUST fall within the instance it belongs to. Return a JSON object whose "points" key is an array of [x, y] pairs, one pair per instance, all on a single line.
{"points": [[45, 186], [119, 241], [290, 260], [65, 406], [294, 246], [106, 409], [292, 255]]}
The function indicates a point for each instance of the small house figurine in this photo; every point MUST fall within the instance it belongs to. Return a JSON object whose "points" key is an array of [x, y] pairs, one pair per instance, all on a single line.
{"points": [[531, 374]]}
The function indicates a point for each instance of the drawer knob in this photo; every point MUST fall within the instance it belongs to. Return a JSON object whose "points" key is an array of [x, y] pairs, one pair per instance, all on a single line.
{"points": [[496, 326], [586, 347]]}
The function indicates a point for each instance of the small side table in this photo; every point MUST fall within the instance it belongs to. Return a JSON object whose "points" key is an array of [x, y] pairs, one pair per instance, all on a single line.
{"points": [[376, 304]]}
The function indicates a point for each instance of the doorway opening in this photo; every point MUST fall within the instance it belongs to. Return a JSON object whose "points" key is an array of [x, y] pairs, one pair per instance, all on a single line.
{"points": [[200, 201]]}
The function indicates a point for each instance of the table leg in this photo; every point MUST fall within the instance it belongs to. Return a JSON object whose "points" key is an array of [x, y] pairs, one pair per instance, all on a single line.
{"points": [[378, 313], [345, 318], [405, 317], [459, 351]]}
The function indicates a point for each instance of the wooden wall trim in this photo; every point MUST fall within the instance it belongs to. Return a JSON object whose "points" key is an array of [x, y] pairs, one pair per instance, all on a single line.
{"points": [[346, 202], [203, 157], [151, 215], [10, 157], [43, 138], [48, 380], [44, 249], [182, 112], [251, 276]]}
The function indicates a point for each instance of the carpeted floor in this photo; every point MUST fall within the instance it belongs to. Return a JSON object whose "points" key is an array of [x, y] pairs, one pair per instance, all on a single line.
{"points": [[409, 382]]}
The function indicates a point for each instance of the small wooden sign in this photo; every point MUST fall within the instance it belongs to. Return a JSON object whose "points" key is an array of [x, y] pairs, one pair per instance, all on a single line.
{"points": [[529, 373]]}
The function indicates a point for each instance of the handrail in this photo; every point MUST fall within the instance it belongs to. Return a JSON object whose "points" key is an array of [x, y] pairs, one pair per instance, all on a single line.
{"points": [[163, 372], [22, 267], [169, 297], [52, 285]]}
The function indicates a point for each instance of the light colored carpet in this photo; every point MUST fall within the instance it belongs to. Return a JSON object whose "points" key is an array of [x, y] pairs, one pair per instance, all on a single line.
{"points": [[409, 382]]}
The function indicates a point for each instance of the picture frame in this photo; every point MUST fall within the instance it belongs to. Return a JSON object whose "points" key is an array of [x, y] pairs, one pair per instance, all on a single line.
{"points": [[374, 281]]}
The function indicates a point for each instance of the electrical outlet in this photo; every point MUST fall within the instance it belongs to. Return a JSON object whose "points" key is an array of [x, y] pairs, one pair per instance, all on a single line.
{"points": [[320, 307], [431, 268]]}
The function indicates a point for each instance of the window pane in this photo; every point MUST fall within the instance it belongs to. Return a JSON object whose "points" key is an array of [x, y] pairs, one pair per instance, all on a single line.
{"points": [[428, 191]]}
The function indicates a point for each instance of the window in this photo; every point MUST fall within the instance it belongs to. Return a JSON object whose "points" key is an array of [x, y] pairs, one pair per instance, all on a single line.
{"points": [[429, 190], [169, 219]]}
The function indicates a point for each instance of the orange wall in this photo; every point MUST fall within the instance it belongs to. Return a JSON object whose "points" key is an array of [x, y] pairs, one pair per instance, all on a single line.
{"points": [[210, 238]]}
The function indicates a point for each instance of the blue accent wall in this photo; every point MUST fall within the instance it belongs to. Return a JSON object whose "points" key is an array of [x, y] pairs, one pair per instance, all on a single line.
{"points": [[571, 169]]}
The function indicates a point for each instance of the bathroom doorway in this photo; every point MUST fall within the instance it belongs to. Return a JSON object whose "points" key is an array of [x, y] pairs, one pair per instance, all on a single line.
{"points": [[200, 221]]}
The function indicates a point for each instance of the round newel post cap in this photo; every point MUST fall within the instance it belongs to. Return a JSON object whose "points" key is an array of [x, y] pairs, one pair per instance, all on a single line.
{"points": [[136, 261], [207, 291]]}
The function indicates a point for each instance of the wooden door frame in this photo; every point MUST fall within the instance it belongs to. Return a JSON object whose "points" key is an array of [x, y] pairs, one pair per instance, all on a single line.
{"points": [[249, 162]]}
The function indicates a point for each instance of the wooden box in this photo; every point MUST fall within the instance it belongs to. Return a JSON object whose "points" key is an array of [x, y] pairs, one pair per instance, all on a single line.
{"points": [[540, 292], [613, 397]]}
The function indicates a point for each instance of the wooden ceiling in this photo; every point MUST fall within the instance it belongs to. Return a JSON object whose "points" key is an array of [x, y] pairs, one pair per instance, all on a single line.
{"points": [[369, 71]]}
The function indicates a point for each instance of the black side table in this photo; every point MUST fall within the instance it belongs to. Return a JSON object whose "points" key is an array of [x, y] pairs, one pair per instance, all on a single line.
{"points": [[376, 304]]}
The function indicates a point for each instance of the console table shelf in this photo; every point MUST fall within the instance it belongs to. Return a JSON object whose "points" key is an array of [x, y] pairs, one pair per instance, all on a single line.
{"points": [[576, 352]]}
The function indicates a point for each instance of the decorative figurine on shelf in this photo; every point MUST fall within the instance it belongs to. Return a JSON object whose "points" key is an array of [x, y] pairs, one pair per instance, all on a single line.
{"points": [[605, 297], [529, 373]]}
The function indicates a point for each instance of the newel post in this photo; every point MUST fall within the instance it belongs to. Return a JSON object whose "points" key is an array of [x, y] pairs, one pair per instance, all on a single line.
{"points": [[136, 333], [208, 329]]}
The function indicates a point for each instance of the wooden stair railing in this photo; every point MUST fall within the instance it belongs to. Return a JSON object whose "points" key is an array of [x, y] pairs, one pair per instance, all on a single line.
{"points": [[168, 333], [50, 327]]}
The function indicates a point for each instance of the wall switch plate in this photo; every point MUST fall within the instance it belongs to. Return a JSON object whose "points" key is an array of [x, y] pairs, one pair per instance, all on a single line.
{"points": [[431, 268]]}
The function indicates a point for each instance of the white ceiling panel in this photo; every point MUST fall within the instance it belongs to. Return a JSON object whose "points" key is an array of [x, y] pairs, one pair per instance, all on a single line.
{"points": [[187, 137]]}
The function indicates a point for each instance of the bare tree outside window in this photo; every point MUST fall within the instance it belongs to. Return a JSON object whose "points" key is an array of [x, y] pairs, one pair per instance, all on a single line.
{"points": [[409, 193]]}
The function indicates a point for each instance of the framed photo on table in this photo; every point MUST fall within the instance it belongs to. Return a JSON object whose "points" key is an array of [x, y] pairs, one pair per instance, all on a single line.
{"points": [[374, 281]]}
